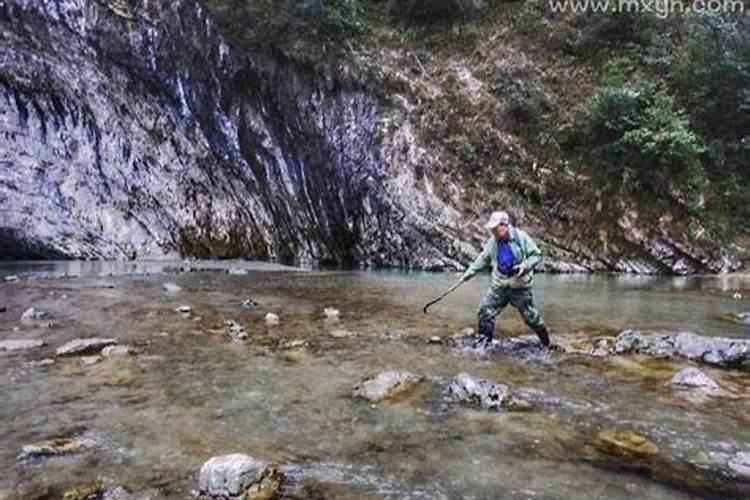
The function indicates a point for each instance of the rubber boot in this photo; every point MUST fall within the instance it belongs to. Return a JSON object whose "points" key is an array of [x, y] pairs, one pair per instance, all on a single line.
{"points": [[543, 334]]}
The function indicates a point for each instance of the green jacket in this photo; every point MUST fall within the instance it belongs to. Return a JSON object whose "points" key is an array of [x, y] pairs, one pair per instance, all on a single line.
{"points": [[525, 252]]}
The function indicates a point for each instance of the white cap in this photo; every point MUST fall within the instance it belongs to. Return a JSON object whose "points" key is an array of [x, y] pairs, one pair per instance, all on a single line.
{"points": [[496, 218]]}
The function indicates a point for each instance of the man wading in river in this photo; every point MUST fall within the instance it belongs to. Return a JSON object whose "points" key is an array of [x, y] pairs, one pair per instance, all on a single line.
{"points": [[513, 256]]}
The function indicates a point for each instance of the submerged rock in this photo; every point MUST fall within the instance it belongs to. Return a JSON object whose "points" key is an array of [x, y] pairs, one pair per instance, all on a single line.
{"points": [[235, 330], [740, 465], [388, 385], [81, 347], [625, 443], [694, 379], [710, 350], [55, 447], [476, 391], [86, 491], [19, 344], [238, 476]]}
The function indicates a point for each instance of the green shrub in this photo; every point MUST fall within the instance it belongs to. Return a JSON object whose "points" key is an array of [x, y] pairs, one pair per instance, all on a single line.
{"points": [[430, 11]]}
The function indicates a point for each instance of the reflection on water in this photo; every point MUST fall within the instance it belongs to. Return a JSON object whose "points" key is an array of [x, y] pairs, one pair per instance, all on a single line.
{"points": [[191, 393]]}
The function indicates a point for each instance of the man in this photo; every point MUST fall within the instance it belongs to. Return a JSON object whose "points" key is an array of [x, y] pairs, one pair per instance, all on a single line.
{"points": [[513, 256]]}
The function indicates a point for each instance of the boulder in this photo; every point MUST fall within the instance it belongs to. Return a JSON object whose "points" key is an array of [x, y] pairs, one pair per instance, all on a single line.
{"points": [[740, 465], [17, 345], [82, 347], [388, 385], [238, 476], [694, 379], [480, 392]]}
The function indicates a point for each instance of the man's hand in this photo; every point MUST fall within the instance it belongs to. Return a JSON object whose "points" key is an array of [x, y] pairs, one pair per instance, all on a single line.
{"points": [[520, 269]]}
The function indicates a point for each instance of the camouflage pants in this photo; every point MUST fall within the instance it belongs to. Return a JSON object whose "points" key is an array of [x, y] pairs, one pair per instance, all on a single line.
{"points": [[495, 301]]}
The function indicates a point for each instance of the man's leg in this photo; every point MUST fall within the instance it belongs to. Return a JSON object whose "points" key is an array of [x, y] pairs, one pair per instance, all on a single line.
{"points": [[493, 303], [522, 299]]}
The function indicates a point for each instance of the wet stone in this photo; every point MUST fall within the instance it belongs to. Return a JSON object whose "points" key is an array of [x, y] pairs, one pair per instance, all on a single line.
{"points": [[32, 314], [717, 351], [184, 309], [694, 379], [18, 345], [271, 319], [90, 360], [11, 279], [249, 303], [235, 330], [85, 491], [113, 351], [55, 447], [479, 392], [740, 466], [331, 313], [232, 476], [389, 385], [82, 347], [171, 287], [625, 443]]}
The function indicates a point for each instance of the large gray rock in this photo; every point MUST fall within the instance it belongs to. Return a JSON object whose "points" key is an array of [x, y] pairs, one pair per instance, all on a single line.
{"points": [[230, 476], [17, 345], [717, 351], [82, 347], [476, 391], [386, 385]]}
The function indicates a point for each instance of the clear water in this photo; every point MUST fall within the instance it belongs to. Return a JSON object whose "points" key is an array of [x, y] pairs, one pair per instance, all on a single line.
{"points": [[192, 393]]}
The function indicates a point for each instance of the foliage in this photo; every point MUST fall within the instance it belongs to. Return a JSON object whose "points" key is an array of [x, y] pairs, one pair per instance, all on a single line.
{"points": [[431, 11]]}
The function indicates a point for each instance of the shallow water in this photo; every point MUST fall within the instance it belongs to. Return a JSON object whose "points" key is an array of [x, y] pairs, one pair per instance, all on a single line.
{"points": [[192, 393]]}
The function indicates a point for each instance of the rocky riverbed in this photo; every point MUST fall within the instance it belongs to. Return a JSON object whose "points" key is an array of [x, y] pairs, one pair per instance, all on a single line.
{"points": [[174, 383]]}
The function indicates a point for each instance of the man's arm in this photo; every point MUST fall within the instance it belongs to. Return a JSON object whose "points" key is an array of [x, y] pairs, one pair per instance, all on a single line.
{"points": [[482, 260], [533, 254]]}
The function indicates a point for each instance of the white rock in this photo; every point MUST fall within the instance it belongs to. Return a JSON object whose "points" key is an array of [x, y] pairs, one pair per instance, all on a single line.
{"points": [[90, 360], [11, 279], [272, 319], [172, 287], [230, 475], [80, 347], [32, 314], [184, 309], [17, 345], [117, 350], [740, 465], [331, 313]]}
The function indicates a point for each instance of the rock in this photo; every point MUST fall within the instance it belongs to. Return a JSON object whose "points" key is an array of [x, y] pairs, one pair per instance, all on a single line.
{"points": [[81, 347], [435, 340], [237, 271], [117, 350], [625, 443], [388, 385], [171, 287], [86, 491], [268, 486], [710, 350], [90, 360], [740, 465], [235, 330], [40, 363], [694, 379], [32, 314], [293, 344], [17, 345], [11, 279], [184, 309], [230, 475], [249, 303], [331, 313], [272, 319], [466, 389], [341, 334], [737, 296], [55, 447], [744, 318]]}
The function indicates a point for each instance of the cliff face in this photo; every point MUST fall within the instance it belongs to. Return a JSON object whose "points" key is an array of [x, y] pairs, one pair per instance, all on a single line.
{"points": [[132, 130]]}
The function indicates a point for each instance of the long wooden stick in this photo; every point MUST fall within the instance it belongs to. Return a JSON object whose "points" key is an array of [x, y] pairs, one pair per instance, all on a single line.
{"points": [[438, 299]]}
